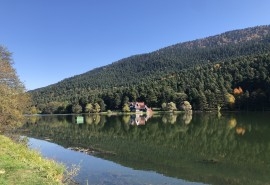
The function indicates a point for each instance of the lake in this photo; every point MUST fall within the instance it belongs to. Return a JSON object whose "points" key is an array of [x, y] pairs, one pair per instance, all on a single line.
{"points": [[188, 149]]}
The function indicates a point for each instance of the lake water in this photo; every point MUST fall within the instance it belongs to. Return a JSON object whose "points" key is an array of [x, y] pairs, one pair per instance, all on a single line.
{"points": [[198, 148]]}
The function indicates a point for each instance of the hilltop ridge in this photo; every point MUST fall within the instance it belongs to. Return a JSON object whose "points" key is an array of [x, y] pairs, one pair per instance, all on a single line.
{"points": [[139, 77]]}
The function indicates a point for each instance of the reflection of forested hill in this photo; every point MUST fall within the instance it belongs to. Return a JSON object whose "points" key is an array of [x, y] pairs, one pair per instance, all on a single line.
{"points": [[207, 148], [203, 71]]}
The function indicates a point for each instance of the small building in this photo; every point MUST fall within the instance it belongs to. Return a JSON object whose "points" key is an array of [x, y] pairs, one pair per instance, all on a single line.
{"points": [[138, 106]]}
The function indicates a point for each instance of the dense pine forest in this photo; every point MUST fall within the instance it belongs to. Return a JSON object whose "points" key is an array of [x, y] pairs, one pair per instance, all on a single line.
{"points": [[228, 71]]}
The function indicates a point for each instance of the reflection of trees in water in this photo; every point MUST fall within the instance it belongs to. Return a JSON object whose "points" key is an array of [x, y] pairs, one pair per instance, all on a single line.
{"points": [[169, 118], [126, 119], [89, 120], [207, 137], [187, 117], [241, 126], [173, 118], [32, 119], [94, 119], [232, 123], [213, 134]]}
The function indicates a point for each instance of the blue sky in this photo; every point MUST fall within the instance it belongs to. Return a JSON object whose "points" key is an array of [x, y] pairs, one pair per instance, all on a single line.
{"points": [[56, 39]]}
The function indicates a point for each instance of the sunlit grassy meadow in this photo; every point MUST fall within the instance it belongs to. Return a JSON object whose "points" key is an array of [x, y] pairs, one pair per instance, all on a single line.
{"points": [[19, 165]]}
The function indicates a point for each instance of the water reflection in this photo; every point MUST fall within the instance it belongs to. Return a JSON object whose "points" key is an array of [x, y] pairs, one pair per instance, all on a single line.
{"points": [[187, 117], [139, 119], [210, 148], [93, 119], [240, 128], [94, 170]]}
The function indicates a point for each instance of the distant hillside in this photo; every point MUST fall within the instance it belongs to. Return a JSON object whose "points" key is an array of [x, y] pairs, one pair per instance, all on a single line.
{"points": [[140, 77]]}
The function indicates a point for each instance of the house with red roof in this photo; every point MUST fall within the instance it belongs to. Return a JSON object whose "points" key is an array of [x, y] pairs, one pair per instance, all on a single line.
{"points": [[138, 106]]}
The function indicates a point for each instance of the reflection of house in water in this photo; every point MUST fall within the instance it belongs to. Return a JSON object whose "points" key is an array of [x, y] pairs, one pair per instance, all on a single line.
{"points": [[139, 119], [138, 106]]}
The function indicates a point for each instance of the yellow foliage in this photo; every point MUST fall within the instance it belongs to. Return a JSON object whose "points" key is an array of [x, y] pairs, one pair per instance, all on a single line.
{"points": [[232, 123], [186, 106], [13, 98], [217, 66], [230, 98]]}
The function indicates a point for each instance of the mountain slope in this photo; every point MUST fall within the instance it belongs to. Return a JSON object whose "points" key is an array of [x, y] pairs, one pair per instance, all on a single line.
{"points": [[131, 70], [134, 71]]}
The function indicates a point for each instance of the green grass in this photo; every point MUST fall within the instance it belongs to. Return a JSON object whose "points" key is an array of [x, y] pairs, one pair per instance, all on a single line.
{"points": [[20, 165]]}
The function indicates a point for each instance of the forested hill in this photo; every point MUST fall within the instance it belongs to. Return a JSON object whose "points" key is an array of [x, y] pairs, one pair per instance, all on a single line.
{"points": [[155, 77]]}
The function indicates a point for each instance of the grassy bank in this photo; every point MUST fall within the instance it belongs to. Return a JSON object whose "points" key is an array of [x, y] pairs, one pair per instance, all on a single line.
{"points": [[20, 165]]}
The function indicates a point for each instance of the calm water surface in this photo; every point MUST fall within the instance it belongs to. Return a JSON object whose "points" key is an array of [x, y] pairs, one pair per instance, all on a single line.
{"points": [[94, 170], [198, 148]]}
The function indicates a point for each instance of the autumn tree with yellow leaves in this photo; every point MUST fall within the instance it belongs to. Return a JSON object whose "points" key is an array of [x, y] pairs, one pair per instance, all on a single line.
{"points": [[230, 100], [13, 98]]}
